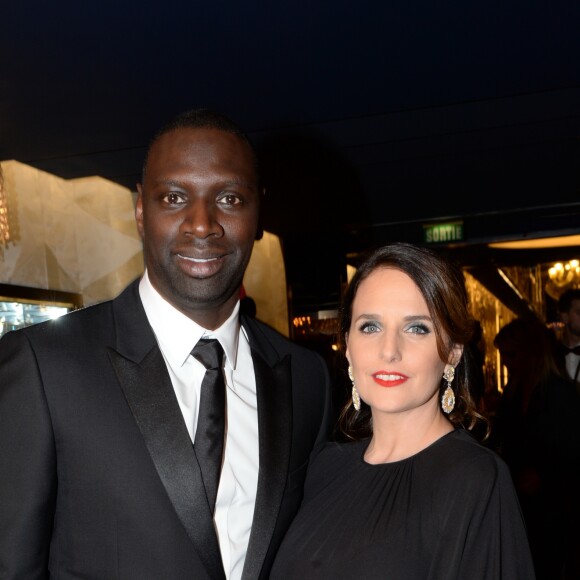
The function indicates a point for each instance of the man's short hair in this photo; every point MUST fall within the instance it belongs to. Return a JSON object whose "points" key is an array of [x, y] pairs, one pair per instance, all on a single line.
{"points": [[201, 118]]}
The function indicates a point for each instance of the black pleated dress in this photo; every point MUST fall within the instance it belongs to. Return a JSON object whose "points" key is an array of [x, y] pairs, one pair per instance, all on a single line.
{"points": [[449, 512]]}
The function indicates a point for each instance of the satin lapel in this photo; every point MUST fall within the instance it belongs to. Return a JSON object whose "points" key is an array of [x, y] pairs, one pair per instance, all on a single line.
{"points": [[145, 381], [274, 396]]}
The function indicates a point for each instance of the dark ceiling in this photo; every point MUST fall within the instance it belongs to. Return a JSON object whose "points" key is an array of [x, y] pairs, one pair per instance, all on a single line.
{"points": [[371, 117]]}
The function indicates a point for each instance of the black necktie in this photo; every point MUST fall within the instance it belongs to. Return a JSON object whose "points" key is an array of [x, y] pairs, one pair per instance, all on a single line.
{"points": [[575, 350], [209, 436]]}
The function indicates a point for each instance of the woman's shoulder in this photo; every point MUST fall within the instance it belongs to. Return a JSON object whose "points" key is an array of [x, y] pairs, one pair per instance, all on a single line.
{"points": [[339, 453], [462, 445], [344, 449], [460, 454]]}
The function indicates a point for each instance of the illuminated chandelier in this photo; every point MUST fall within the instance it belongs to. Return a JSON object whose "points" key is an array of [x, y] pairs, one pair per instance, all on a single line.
{"points": [[563, 276]]}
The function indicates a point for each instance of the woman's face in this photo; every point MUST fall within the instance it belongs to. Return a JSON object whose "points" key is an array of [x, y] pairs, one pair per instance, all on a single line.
{"points": [[392, 346]]}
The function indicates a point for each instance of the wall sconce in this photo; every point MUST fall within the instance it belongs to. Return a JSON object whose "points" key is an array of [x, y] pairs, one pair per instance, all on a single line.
{"points": [[4, 223]]}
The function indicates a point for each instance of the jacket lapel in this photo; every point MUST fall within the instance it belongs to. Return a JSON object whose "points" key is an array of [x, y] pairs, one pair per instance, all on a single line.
{"points": [[143, 376], [274, 398]]}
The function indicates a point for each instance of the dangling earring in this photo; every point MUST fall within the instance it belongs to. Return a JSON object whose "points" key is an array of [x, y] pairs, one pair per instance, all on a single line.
{"points": [[355, 395], [448, 398]]}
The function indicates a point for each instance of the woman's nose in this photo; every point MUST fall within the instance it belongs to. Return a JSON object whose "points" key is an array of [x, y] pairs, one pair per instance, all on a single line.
{"points": [[390, 347]]}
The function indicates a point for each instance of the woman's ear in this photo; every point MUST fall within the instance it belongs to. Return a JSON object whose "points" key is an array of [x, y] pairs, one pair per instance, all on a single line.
{"points": [[346, 353], [455, 354]]}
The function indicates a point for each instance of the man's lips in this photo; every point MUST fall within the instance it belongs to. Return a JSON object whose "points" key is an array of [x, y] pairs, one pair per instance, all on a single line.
{"points": [[385, 379], [201, 267], [199, 260]]}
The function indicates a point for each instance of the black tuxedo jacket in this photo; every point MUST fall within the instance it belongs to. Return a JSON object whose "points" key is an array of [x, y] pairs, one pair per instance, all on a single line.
{"points": [[98, 475]]}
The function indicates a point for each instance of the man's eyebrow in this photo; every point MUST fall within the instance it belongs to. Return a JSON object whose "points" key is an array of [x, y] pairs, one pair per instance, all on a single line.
{"points": [[169, 181], [226, 182], [239, 181]]}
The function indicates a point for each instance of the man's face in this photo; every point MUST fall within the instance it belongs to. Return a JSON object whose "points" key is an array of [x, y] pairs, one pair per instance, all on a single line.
{"points": [[197, 214], [572, 319]]}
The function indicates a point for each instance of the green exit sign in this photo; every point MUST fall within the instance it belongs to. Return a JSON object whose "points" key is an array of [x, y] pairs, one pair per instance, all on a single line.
{"points": [[443, 233]]}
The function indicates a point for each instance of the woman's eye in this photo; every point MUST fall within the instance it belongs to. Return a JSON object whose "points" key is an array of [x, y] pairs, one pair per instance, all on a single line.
{"points": [[418, 329], [369, 327]]}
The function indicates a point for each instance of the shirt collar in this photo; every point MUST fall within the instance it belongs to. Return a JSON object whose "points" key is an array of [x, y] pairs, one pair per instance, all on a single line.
{"points": [[177, 334]]}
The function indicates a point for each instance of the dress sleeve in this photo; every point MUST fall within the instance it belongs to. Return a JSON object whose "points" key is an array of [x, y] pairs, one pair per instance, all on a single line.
{"points": [[483, 535], [27, 463]]}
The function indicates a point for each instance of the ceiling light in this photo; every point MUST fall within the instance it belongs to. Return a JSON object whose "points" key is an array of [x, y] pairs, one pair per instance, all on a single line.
{"points": [[537, 243]]}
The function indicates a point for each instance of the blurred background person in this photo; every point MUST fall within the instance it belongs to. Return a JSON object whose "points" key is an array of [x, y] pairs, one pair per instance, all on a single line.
{"points": [[569, 311], [537, 432]]}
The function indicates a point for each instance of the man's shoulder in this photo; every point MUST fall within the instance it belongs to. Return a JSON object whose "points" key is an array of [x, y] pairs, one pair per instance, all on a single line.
{"points": [[263, 334], [84, 321], [258, 329]]}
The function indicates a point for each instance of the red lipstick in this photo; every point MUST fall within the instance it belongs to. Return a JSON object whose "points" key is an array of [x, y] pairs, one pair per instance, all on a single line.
{"points": [[386, 379]]}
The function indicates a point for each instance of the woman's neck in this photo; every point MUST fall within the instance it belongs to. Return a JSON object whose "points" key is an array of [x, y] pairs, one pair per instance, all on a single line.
{"points": [[402, 435]]}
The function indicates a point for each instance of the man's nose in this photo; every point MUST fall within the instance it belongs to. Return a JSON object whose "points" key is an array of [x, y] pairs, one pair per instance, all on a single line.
{"points": [[202, 219]]}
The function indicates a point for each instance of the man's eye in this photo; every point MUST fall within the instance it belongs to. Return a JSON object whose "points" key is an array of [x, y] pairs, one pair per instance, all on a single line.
{"points": [[229, 199], [173, 198]]}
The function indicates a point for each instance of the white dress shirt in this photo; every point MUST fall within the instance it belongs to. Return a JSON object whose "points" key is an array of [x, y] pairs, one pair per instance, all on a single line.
{"points": [[572, 364], [177, 335]]}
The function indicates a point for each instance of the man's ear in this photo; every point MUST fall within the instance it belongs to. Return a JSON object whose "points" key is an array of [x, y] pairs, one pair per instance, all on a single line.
{"points": [[260, 230], [139, 210]]}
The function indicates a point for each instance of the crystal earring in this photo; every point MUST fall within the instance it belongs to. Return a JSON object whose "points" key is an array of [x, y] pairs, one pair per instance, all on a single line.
{"points": [[355, 395], [448, 398]]}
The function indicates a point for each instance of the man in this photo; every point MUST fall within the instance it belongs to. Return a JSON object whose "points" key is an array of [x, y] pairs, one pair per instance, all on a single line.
{"points": [[99, 409], [569, 310]]}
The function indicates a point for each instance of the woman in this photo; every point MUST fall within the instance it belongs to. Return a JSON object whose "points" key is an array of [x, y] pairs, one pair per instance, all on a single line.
{"points": [[413, 495]]}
